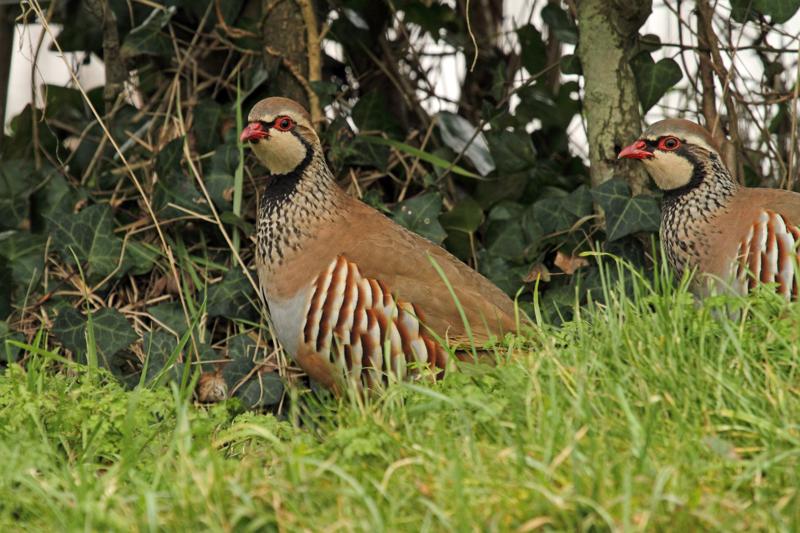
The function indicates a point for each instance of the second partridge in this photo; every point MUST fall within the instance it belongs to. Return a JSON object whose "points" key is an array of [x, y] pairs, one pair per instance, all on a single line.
{"points": [[735, 236]]}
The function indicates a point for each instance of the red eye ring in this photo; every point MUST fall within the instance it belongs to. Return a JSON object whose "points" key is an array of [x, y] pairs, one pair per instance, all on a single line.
{"points": [[669, 144], [284, 124]]}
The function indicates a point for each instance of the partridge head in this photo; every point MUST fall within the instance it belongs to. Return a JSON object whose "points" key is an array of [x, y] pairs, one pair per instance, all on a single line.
{"points": [[353, 296], [281, 134], [734, 236]]}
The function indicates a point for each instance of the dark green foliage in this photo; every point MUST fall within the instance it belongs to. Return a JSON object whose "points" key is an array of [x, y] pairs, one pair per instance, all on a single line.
{"points": [[421, 215], [560, 23], [653, 79], [533, 49], [265, 390], [18, 180], [24, 255], [777, 10], [626, 214], [112, 332], [233, 297], [147, 38], [174, 184], [88, 236]]}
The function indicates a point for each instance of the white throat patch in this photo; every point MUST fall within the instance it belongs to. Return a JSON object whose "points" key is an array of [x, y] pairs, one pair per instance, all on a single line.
{"points": [[669, 170], [281, 152]]}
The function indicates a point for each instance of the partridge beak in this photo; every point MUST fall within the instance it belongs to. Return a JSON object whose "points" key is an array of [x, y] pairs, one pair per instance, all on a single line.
{"points": [[637, 150], [253, 132]]}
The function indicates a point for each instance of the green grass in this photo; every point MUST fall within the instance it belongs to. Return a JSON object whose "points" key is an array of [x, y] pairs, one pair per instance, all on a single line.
{"points": [[649, 412]]}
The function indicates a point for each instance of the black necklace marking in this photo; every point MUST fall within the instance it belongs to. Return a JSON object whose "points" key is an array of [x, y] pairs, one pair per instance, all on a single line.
{"points": [[281, 186], [291, 203], [698, 175]]}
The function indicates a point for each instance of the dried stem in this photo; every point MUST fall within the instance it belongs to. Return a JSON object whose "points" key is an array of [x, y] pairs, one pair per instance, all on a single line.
{"points": [[705, 15]]}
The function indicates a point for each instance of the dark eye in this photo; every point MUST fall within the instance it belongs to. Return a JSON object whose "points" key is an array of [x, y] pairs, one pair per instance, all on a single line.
{"points": [[284, 123], [669, 143]]}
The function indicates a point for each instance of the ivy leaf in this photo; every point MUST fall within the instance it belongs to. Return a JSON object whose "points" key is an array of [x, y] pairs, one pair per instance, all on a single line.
{"points": [[459, 135], [506, 239], [262, 391], [234, 371], [560, 24], [171, 315], [25, 255], [139, 257], [242, 347], [90, 236], [579, 202], [431, 17], [626, 214], [207, 356], [551, 216], [18, 178], [57, 200], [653, 80], [205, 126], [112, 331], [421, 215], [502, 273], [20, 144], [173, 184], [241, 350], [505, 187], [219, 175], [513, 151], [372, 114], [231, 297], [160, 348], [779, 11], [147, 38], [650, 42], [466, 216], [534, 52], [69, 328], [571, 64], [554, 213]]}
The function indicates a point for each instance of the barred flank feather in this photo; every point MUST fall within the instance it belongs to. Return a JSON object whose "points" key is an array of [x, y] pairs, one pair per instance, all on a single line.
{"points": [[355, 324], [768, 254]]}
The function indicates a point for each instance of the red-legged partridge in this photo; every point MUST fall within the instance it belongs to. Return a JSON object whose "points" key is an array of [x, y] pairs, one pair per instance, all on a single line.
{"points": [[734, 236], [352, 295]]}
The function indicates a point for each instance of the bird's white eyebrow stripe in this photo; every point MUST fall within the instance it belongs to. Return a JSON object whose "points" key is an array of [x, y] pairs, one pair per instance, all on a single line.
{"points": [[699, 141]]}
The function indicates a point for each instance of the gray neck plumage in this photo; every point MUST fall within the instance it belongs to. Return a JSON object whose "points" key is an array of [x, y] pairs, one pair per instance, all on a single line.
{"points": [[291, 205], [688, 210]]}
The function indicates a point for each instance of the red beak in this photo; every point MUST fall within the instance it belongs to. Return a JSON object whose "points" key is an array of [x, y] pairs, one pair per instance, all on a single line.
{"points": [[635, 151], [253, 132]]}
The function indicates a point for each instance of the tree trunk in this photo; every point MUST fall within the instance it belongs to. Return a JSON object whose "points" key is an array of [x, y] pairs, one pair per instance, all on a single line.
{"points": [[292, 49], [608, 32]]}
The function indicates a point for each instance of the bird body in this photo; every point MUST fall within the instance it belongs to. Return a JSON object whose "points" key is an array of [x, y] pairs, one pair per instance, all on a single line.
{"points": [[735, 236], [351, 293]]}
